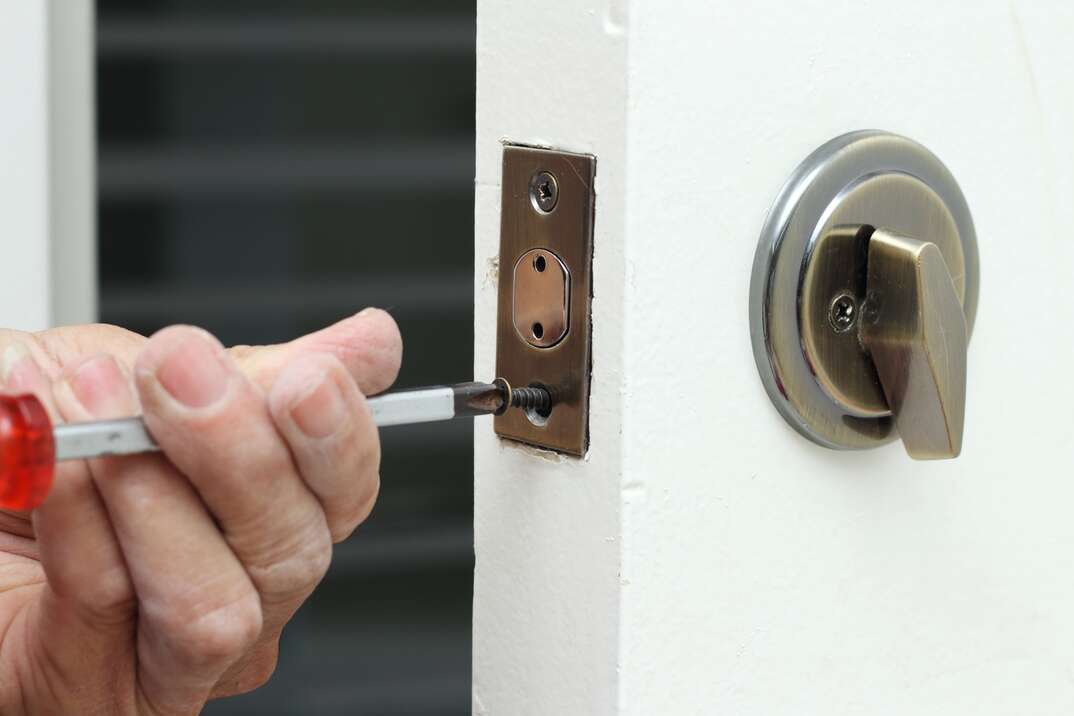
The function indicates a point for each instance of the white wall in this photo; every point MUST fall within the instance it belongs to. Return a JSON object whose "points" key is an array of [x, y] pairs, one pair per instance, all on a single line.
{"points": [[24, 165], [46, 163], [708, 559], [763, 574], [547, 529], [72, 161]]}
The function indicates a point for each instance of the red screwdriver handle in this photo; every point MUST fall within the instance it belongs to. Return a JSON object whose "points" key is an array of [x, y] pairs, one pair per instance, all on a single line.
{"points": [[27, 452]]}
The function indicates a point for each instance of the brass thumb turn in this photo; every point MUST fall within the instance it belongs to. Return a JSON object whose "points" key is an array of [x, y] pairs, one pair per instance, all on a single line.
{"points": [[914, 329]]}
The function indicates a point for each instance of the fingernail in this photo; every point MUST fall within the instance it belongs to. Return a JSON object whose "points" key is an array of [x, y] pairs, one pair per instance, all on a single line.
{"points": [[100, 386], [321, 411], [18, 369], [368, 312], [194, 373]]}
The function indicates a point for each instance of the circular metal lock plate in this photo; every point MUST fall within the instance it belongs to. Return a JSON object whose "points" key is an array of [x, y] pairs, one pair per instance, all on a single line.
{"points": [[808, 292]]}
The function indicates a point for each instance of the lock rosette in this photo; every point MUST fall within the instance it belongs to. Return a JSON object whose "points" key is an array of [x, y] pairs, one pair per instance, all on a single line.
{"points": [[863, 297]]}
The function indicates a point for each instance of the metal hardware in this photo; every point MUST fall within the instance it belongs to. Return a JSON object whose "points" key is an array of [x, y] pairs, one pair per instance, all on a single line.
{"points": [[541, 301], [536, 399], [916, 337], [122, 436], [830, 332], [843, 313], [543, 317], [128, 436], [544, 191]]}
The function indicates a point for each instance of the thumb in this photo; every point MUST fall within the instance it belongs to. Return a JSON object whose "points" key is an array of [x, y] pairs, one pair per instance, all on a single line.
{"points": [[368, 344]]}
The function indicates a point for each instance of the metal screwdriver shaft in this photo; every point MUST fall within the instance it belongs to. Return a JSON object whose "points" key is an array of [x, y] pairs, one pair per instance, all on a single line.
{"points": [[30, 445], [128, 436]]}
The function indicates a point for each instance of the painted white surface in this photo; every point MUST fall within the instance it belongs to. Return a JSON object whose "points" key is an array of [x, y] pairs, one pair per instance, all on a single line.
{"points": [[712, 561], [72, 162], [47, 202], [24, 165], [546, 583]]}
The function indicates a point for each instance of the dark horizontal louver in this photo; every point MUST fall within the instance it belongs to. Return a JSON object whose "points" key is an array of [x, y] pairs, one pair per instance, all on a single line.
{"points": [[266, 168]]}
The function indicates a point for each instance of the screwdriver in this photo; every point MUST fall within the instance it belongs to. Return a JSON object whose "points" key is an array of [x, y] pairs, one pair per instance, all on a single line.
{"points": [[30, 445]]}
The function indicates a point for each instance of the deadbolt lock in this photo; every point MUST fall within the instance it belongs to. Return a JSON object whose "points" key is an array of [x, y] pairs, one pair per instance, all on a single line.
{"points": [[863, 297]]}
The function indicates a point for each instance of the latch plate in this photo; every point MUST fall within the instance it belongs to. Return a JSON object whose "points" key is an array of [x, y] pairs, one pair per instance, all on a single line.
{"points": [[546, 213]]}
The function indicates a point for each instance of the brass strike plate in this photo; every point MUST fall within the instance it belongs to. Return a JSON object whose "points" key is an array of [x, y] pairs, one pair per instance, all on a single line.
{"points": [[543, 316]]}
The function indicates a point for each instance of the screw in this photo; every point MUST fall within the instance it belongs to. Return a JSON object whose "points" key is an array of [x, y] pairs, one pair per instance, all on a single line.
{"points": [[844, 312], [536, 398], [544, 192], [532, 398]]}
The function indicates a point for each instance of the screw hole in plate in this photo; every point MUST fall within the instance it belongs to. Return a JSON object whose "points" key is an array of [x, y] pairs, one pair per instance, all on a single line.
{"points": [[538, 417]]}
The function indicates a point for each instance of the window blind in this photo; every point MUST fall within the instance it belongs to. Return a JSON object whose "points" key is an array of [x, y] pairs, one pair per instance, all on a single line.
{"points": [[266, 168]]}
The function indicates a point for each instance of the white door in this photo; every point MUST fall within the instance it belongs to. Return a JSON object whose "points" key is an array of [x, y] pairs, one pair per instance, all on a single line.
{"points": [[46, 164], [705, 558]]}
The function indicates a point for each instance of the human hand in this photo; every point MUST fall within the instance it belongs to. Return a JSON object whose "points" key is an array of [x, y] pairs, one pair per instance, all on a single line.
{"points": [[149, 584]]}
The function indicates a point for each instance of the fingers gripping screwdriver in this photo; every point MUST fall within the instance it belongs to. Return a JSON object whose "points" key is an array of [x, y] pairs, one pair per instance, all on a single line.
{"points": [[30, 445]]}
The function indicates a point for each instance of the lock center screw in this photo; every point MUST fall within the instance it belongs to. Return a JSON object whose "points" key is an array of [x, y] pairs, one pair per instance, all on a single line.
{"points": [[844, 312], [544, 192]]}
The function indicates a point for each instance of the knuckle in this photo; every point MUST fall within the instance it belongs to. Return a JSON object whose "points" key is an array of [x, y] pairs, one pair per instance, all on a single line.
{"points": [[300, 566], [344, 473], [232, 438], [182, 331], [87, 338], [358, 460], [218, 635], [355, 481], [367, 442], [369, 468], [345, 523], [368, 498], [109, 598], [253, 672]]}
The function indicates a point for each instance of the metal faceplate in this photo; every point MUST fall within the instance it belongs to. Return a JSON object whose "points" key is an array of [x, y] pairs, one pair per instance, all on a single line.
{"points": [[808, 288], [543, 317]]}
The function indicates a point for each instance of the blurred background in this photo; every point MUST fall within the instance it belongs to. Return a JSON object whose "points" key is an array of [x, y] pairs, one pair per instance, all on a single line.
{"points": [[267, 167]]}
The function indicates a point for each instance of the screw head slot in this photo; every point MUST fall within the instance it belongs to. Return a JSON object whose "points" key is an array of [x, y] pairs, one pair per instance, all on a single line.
{"points": [[843, 313], [544, 192]]}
